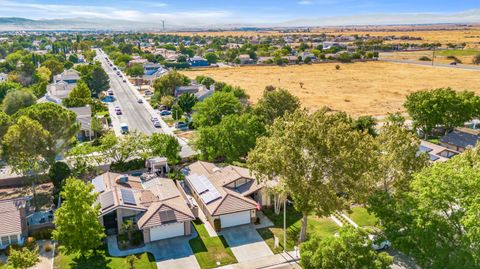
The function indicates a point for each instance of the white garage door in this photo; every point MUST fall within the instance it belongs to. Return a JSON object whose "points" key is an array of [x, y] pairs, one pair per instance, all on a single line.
{"points": [[235, 219], [166, 231]]}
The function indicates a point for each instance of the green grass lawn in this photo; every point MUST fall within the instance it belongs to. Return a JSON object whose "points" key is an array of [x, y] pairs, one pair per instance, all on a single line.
{"points": [[467, 52], [208, 250], [321, 227], [102, 261], [361, 216]]}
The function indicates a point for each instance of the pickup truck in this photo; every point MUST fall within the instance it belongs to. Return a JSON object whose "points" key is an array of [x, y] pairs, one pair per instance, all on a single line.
{"points": [[124, 128]]}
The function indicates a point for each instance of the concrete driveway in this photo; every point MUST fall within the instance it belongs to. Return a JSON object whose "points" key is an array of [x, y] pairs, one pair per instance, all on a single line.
{"points": [[246, 243]]}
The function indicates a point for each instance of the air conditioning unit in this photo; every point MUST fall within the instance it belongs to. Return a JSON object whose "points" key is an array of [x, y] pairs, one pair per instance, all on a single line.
{"points": [[122, 179]]}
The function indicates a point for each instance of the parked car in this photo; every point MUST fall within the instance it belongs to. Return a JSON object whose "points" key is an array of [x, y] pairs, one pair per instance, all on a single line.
{"points": [[110, 92], [157, 124], [148, 92], [379, 245], [153, 119], [118, 111], [453, 63], [165, 112], [124, 80], [114, 68], [124, 128], [181, 125], [140, 100]]}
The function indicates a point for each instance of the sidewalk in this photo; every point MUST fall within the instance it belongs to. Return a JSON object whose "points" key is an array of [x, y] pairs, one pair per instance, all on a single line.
{"points": [[266, 262]]}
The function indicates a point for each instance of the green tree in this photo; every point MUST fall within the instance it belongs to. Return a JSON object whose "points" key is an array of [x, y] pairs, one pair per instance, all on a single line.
{"points": [[77, 227], [16, 100], [26, 148], [231, 139], [366, 124], [351, 249], [186, 102], [58, 172], [165, 145], [211, 110], [44, 74], [165, 85], [211, 57], [476, 59], [276, 103], [79, 96], [316, 157], [120, 149], [55, 66], [177, 112], [435, 218], [129, 227], [204, 80], [135, 71], [167, 101], [61, 123], [130, 260], [23, 258], [5, 123], [6, 87], [99, 81]]}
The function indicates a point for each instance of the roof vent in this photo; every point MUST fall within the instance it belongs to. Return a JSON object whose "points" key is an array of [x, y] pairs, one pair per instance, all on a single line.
{"points": [[217, 170], [122, 179]]}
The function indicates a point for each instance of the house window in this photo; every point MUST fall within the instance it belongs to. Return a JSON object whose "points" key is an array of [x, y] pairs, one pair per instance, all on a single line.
{"points": [[13, 239], [5, 240]]}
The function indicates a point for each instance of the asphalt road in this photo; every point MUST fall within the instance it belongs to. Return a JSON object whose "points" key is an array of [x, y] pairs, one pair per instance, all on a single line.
{"points": [[136, 115]]}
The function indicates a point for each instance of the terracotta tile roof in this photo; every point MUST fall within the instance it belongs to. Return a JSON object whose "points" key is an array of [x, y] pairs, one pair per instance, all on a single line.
{"points": [[232, 200], [11, 221]]}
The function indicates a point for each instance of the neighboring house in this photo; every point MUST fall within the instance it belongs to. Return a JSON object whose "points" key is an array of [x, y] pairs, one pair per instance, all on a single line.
{"points": [[460, 139], [436, 153], [3, 77], [84, 118], [199, 90], [158, 207], [197, 61], [13, 222], [70, 76], [152, 71], [245, 59], [307, 54], [228, 196], [56, 92]]}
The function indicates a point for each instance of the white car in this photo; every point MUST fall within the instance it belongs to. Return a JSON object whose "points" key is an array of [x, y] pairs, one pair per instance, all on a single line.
{"points": [[383, 245], [157, 124]]}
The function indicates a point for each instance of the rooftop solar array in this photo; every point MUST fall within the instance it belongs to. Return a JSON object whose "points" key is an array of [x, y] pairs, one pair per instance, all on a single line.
{"points": [[425, 149], [98, 184], [106, 200], [204, 188], [128, 197], [167, 216]]}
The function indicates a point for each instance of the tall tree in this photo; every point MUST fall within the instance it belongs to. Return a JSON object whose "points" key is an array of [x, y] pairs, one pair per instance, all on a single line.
{"points": [[435, 220], [16, 100], [135, 71], [166, 146], [6, 87], [366, 124], [211, 110], [231, 139], [351, 249], [58, 121], [322, 161], [120, 149], [98, 81], [79, 96], [276, 103], [26, 148], [55, 66], [77, 227], [186, 101], [165, 85]]}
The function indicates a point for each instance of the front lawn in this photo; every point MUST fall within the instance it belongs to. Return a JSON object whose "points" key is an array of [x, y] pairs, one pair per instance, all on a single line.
{"points": [[321, 227], [102, 261], [210, 250], [361, 217]]}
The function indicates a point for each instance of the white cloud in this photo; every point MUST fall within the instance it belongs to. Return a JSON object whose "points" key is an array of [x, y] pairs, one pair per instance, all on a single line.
{"points": [[305, 2]]}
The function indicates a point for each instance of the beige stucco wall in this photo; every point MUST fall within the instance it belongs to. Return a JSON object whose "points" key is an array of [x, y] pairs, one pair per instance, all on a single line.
{"points": [[121, 213]]}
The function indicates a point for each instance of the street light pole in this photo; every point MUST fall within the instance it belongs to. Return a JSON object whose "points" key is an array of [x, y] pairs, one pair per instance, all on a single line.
{"points": [[285, 225]]}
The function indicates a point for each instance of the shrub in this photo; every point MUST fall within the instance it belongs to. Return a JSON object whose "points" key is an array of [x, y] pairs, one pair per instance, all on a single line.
{"points": [[424, 58], [31, 243], [12, 246], [337, 67], [476, 59], [128, 166], [48, 247], [42, 234]]}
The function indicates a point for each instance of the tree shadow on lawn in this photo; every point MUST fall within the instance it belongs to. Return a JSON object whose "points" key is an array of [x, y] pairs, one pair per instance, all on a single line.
{"points": [[197, 245]]}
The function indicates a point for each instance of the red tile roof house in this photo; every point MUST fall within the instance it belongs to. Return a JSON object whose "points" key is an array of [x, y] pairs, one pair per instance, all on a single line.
{"points": [[229, 196], [13, 222], [157, 206]]}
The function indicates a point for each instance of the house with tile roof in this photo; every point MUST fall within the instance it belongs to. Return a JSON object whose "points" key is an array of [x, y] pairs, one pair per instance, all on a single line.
{"points": [[228, 196], [156, 205], [13, 222]]}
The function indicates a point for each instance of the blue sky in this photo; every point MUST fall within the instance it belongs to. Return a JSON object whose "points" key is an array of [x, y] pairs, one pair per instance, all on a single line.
{"points": [[250, 12]]}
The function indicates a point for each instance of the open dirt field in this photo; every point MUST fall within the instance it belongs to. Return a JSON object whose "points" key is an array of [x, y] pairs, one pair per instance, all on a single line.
{"points": [[372, 88], [466, 56]]}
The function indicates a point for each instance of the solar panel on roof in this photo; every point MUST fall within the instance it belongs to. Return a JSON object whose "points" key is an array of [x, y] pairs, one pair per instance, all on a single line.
{"points": [[198, 183], [98, 184], [167, 216], [106, 200], [128, 197], [210, 196], [425, 149]]}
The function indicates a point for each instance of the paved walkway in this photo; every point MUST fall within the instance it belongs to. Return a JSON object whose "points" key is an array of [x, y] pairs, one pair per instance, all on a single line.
{"points": [[46, 258], [210, 230], [245, 243], [288, 259], [264, 221]]}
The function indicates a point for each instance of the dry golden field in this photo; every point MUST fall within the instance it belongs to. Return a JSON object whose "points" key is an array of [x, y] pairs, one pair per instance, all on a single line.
{"points": [[466, 56], [372, 88]]}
